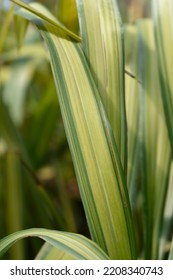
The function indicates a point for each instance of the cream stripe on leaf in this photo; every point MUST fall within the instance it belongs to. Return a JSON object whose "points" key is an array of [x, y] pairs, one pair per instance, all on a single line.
{"points": [[163, 23], [101, 33], [101, 182], [156, 150], [78, 246]]}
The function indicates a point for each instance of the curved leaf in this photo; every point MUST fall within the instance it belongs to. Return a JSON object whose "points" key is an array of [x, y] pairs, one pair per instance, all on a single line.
{"points": [[76, 245]]}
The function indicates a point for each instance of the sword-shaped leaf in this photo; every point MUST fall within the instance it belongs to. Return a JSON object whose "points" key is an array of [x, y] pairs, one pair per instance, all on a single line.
{"points": [[98, 169], [101, 33], [132, 87], [155, 141]]}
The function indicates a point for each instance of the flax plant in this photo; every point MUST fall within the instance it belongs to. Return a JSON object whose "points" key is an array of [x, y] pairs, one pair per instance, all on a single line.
{"points": [[115, 93]]}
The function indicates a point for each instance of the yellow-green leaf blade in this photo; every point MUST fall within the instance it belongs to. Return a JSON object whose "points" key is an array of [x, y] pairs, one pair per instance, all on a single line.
{"points": [[77, 245], [132, 89], [163, 22], [155, 141], [99, 173], [49, 252], [101, 33]]}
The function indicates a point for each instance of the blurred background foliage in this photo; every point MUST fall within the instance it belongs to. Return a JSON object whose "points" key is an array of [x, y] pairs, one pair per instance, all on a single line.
{"points": [[38, 186]]}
